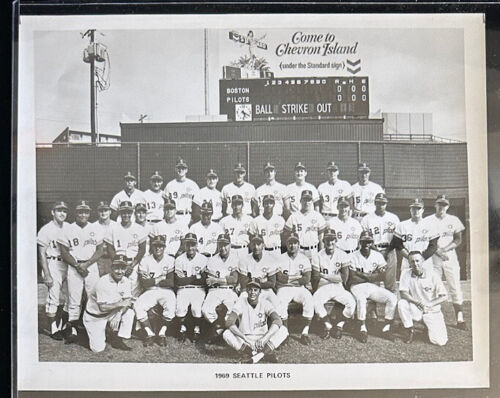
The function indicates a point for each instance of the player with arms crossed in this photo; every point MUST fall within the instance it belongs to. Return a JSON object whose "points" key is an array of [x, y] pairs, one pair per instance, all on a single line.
{"points": [[445, 260], [366, 272], [294, 190], [156, 275], [110, 303], [104, 223], [171, 228], [54, 270], [206, 231], [332, 190], [382, 224], [129, 194], [364, 193], [422, 293], [222, 278], [347, 229], [237, 226], [330, 271], [154, 199], [211, 194], [247, 326], [291, 280], [81, 246], [190, 279], [238, 187], [270, 187]]}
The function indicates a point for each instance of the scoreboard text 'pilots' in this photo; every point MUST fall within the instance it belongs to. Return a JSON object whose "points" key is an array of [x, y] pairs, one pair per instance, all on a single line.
{"points": [[294, 97]]}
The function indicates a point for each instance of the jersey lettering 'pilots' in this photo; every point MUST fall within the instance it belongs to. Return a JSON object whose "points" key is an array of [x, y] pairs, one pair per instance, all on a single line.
{"points": [[347, 232], [48, 236], [270, 229], [416, 235], [278, 191], [173, 234], [246, 190], [126, 240], [154, 205], [182, 193], [81, 241], [213, 196], [307, 226], [381, 227], [135, 197], [329, 264], [364, 196], [330, 194], [207, 236], [237, 229], [294, 193]]}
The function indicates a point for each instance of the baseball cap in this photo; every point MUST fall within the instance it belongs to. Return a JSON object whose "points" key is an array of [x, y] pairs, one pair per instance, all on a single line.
{"points": [[381, 197], [125, 205], [129, 176], [366, 236], [190, 237], [442, 199], [169, 203], [60, 205], [83, 205], [269, 165], [239, 167], [119, 260], [306, 194], [224, 238], [206, 207], [257, 239], [300, 165], [236, 199], [181, 163], [268, 198], [158, 240], [332, 166], [156, 176], [253, 283], [329, 234], [103, 205], [140, 206], [343, 202], [363, 167], [417, 203], [293, 237], [212, 173]]}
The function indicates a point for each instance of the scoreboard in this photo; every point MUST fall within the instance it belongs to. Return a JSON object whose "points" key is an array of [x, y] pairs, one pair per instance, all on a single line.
{"points": [[294, 98]]}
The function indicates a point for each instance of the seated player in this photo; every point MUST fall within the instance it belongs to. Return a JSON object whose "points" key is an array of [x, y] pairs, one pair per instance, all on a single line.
{"points": [[293, 276], [247, 326], [422, 293], [330, 271], [156, 276], [110, 302]]}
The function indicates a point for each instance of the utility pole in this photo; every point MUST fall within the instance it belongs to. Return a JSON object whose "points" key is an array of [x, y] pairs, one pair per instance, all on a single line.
{"points": [[92, 90]]}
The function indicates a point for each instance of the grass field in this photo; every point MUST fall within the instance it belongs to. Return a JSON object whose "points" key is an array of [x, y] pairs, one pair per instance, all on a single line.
{"points": [[346, 350]]}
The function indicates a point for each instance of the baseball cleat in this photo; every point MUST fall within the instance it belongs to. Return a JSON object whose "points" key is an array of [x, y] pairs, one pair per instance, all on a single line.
{"points": [[410, 334], [305, 339], [363, 336], [118, 343], [148, 341], [182, 336], [271, 358], [196, 337], [336, 332], [71, 338], [387, 335], [57, 335], [325, 334], [162, 341], [462, 326]]}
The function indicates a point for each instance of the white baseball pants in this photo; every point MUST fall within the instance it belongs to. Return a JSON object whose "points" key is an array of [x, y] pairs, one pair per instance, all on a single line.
{"points": [[337, 292], [236, 342], [59, 272], [215, 297], [409, 312], [451, 270], [187, 296], [147, 300], [134, 281], [369, 291], [76, 284], [300, 295]]}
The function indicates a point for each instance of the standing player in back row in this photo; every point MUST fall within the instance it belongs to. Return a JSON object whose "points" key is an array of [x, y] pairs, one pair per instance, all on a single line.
{"points": [[238, 187], [445, 259], [364, 192], [129, 193], [294, 191], [332, 190], [182, 190], [211, 194], [154, 199], [270, 187]]}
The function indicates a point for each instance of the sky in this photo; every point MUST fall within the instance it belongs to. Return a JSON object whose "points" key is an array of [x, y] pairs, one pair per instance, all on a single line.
{"points": [[161, 73]]}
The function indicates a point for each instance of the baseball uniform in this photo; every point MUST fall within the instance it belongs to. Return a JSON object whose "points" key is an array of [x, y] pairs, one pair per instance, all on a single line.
{"points": [[238, 230], [371, 291], [330, 194], [214, 196], [207, 237], [270, 230], [278, 191], [331, 264], [447, 227], [347, 232], [173, 233], [183, 193], [364, 196], [294, 193], [154, 203], [135, 197], [82, 243], [307, 226], [190, 294], [107, 291], [246, 190], [425, 288]]}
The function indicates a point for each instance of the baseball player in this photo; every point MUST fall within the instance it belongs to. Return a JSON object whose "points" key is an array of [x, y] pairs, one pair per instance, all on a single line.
{"points": [[238, 187], [347, 229], [156, 275], [252, 336], [110, 303], [270, 187], [182, 190], [330, 191], [237, 226], [445, 260], [262, 267], [364, 192], [128, 239], [207, 231], [330, 271], [222, 278], [54, 270], [81, 246], [154, 199], [171, 228], [190, 278], [422, 293], [104, 222], [382, 224], [367, 270], [308, 224], [210, 193], [415, 234], [129, 194], [291, 280], [269, 226], [294, 190], [140, 213]]}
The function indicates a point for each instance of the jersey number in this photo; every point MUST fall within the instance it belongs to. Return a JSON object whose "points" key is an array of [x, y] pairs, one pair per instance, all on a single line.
{"points": [[75, 242]]}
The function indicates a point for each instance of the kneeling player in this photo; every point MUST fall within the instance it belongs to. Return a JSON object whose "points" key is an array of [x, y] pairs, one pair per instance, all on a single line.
{"points": [[252, 336], [293, 276], [156, 275], [110, 302], [422, 293], [330, 270]]}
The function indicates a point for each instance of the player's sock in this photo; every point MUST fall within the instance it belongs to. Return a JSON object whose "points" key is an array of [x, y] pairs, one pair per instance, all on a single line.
{"points": [[257, 357], [305, 330], [386, 327], [197, 329], [183, 328], [363, 328], [149, 331], [162, 331], [341, 324], [146, 325], [53, 326], [328, 325], [460, 316]]}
